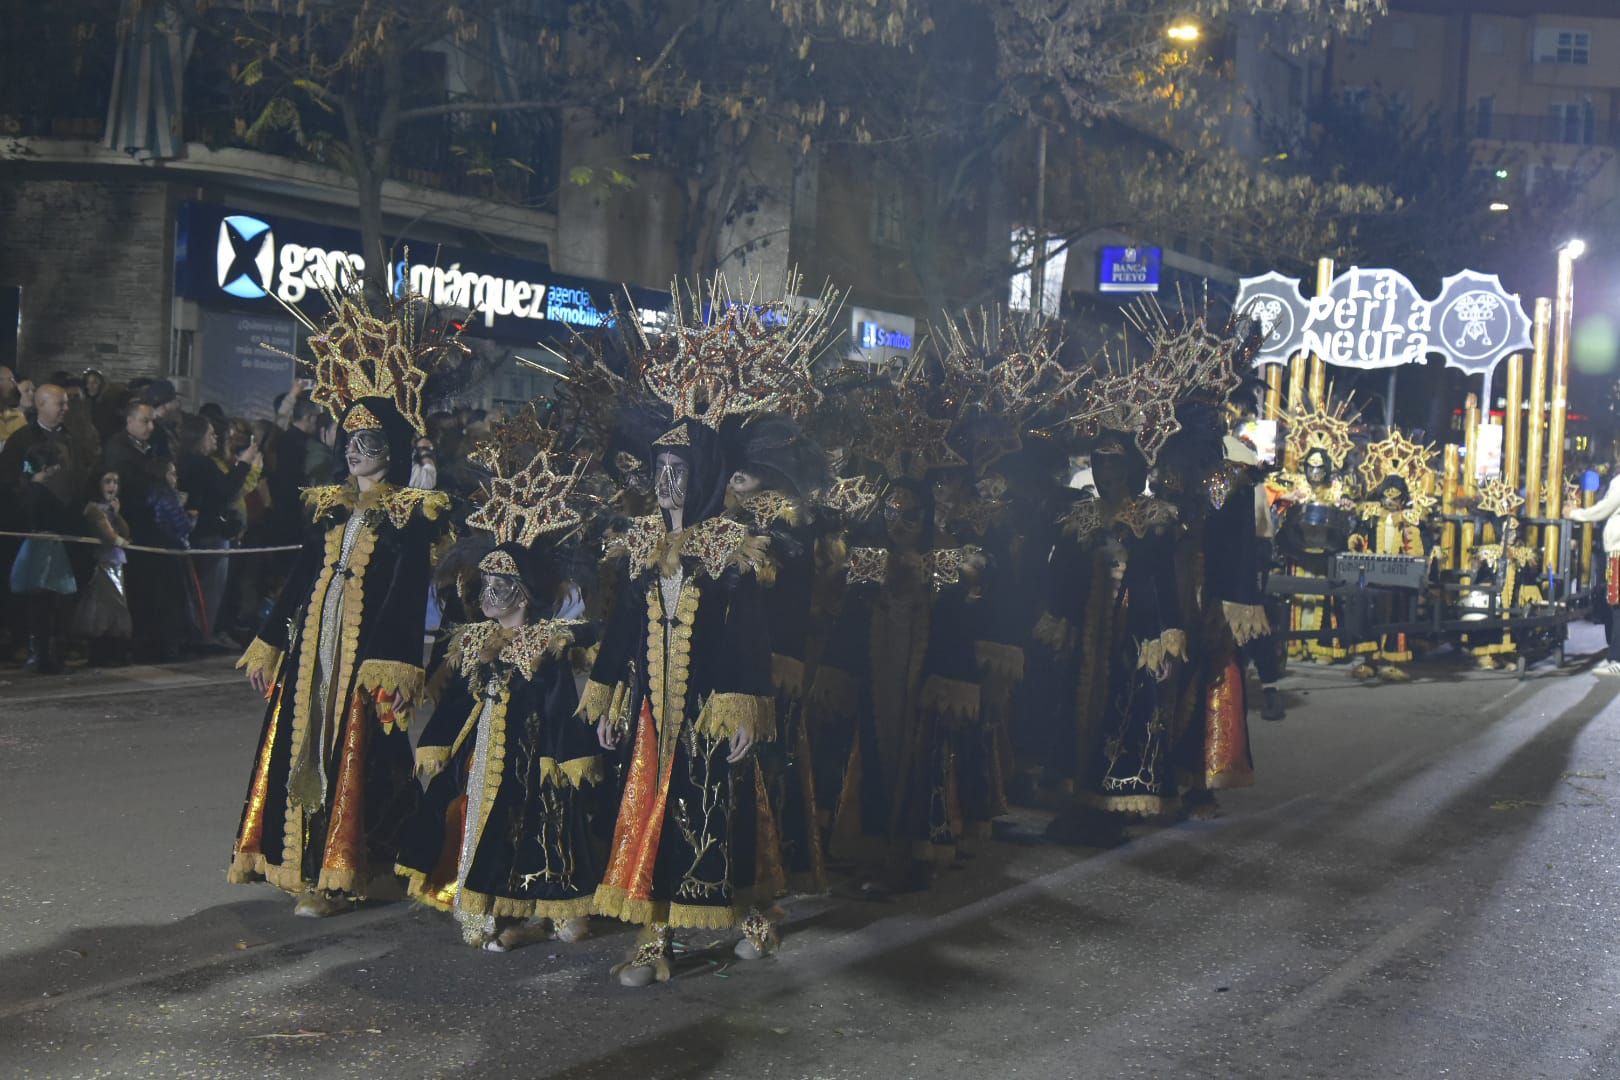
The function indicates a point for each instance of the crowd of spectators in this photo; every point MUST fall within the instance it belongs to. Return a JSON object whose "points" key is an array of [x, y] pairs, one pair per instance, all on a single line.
{"points": [[123, 465]]}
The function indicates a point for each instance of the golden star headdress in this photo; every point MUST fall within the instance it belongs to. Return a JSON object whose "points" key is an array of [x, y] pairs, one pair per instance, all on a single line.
{"points": [[1327, 430], [534, 502], [360, 353], [724, 354], [1188, 363], [1398, 456]]}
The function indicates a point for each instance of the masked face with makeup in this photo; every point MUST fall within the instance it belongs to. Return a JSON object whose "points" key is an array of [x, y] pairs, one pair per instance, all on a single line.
{"points": [[367, 454], [503, 598], [672, 476]]}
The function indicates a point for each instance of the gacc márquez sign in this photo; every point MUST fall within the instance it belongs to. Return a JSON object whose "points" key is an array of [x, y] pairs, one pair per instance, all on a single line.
{"points": [[1376, 319]]}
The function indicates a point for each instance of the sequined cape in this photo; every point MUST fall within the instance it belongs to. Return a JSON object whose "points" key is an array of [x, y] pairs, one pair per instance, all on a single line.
{"points": [[376, 654]]}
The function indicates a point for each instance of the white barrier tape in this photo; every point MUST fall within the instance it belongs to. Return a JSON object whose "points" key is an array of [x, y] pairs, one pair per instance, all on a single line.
{"points": [[152, 550]]}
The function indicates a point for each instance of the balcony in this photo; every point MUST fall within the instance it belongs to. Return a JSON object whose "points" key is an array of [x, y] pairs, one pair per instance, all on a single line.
{"points": [[1573, 128]]}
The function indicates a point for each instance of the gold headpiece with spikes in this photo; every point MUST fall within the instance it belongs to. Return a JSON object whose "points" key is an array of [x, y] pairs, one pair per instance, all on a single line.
{"points": [[512, 442], [724, 354], [1003, 370], [532, 503], [1188, 363], [1499, 498], [1398, 456], [1326, 430], [360, 353]]}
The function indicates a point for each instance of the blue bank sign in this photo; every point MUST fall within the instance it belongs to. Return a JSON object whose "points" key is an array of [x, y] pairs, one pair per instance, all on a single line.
{"points": [[257, 263], [1128, 270]]}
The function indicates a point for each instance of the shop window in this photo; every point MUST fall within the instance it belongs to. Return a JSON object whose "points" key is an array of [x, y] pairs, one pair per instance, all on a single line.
{"points": [[1491, 39], [1485, 117]]}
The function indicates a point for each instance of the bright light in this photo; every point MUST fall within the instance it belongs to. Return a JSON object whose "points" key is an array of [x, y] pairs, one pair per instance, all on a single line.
{"points": [[1500, 207], [1185, 32], [1501, 174], [1574, 249]]}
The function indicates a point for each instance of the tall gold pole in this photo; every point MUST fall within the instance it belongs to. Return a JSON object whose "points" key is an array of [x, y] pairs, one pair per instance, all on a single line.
{"points": [[1585, 569], [1513, 419], [1324, 282], [1448, 504], [1274, 391], [1535, 437], [1298, 375], [1556, 421], [1471, 446]]}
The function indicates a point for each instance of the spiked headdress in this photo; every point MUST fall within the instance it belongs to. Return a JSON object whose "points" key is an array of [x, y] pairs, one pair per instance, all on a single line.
{"points": [[1189, 364], [1397, 457], [1327, 430]]}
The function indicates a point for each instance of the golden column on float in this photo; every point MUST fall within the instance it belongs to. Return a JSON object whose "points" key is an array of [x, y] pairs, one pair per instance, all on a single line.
{"points": [[1557, 420]]}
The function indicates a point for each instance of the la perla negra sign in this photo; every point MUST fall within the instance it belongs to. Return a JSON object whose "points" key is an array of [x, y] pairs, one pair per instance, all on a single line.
{"points": [[1372, 319]]}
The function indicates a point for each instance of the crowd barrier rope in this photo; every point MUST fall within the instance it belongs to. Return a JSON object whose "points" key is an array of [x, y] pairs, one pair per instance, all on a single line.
{"points": [[150, 550]]}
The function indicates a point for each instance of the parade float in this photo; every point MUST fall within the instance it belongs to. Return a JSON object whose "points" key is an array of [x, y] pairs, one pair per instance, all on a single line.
{"points": [[1391, 542]]}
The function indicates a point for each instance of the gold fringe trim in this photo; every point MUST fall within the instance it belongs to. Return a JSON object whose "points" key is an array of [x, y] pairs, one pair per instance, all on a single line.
{"points": [[575, 772], [439, 755], [706, 916], [505, 907], [1248, 621], [833, 691], [1054, 632], [1006, 662], [1155, 655], [392, 675], [950, 699], [724, 715], [1130, 804], [597, 701], [612, 902], [263, 658], [787, 676], [416, 887]]}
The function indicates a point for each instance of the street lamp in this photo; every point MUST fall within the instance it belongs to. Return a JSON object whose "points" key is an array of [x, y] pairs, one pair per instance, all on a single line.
{"points": [[1500, 207], [1184, 32], [1572, 250]]}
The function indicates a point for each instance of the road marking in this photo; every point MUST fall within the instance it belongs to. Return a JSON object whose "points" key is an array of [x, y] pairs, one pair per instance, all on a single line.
{"points": [[1385, 948]]}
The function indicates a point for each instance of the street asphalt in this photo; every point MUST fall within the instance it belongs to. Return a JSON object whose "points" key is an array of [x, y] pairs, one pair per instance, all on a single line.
{"points": [[1422, 884]]}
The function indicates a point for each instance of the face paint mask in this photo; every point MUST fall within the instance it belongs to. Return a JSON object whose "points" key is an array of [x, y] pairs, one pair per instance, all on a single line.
{"points": [[500, 595], [369, 444], [669, 484]]}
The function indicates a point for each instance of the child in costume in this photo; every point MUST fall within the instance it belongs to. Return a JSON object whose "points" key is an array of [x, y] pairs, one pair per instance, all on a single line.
{"points": [[501, 838]]}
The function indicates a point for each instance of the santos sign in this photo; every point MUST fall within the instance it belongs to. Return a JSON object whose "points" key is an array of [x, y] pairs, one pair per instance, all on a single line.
{"points": [[259, 263], [1375, 319]]}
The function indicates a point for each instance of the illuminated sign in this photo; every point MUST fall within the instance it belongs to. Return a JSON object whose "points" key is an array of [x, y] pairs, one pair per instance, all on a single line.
{"points": [[257, 263], [1376, 319], [1128, 269], [875, 336], [880, 337]]}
